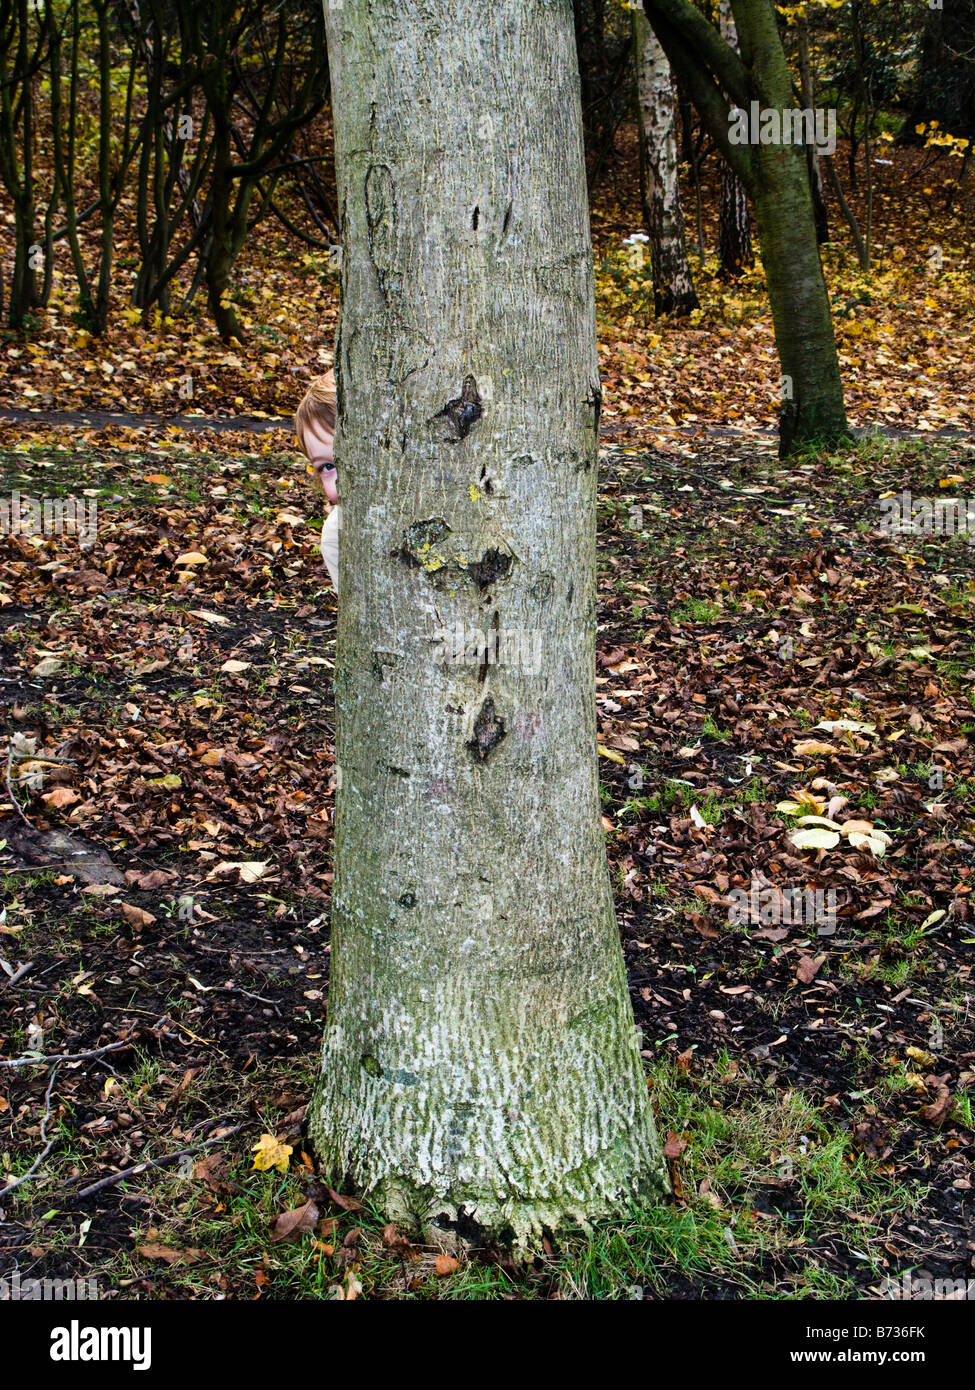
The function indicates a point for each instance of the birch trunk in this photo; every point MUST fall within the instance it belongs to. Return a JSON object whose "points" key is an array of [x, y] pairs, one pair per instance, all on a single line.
{"points": [[481, 1072], [673, 287], [735, 251]]}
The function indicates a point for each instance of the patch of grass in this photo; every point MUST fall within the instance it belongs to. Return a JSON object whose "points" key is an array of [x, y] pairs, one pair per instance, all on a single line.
{"points": [[710, 729], [695, 610]]}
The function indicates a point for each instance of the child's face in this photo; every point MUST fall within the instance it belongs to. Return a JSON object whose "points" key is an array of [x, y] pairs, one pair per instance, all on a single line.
{"points": [[318, 439]]}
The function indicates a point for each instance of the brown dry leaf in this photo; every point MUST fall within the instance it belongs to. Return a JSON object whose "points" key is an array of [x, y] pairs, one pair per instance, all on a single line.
{"points": [[674, 1146], [60, 796], [870, 1136], [809, 967], [346, 1203], [445, 1264], [940, 1108], [167, 1253], [290, 1225], [155, 878], [211, 1171], [392, 1238], [136, 916]]}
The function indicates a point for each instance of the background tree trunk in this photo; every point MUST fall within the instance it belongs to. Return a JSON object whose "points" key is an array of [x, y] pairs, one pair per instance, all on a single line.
{"points": [[663, 218], [807, 88], [777, 181], [481, 1070], [735, 251]]}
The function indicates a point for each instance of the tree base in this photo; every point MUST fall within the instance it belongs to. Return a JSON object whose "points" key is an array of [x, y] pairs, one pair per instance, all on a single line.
{"points": [[613, 1185]]}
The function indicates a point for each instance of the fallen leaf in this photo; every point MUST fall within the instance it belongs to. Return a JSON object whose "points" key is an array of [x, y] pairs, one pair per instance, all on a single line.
{"points": [[940, 1108], [153, 1251], [271, 1153], [809, 967], [136, 915], [60, 796], [674, 1146], [814, 838], [290, 1225]]}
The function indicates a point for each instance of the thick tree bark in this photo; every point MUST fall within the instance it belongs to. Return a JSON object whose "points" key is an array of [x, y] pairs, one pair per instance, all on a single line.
{"points": [[735, 252], [481, 1072], [777, 181], [663, 218]]}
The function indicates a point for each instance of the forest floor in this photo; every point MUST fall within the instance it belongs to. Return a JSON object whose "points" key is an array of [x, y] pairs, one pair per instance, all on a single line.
{"points": [[766, 652]]}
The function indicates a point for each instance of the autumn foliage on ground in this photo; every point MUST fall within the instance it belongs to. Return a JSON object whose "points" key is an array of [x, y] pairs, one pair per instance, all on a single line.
{"points": [[785, 697]]}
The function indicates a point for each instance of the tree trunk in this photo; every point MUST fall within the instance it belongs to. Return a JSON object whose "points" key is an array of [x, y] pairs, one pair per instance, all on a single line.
{"points": [[777, 181], [735, 251], [673, 287], [481, 1071], [820, 211], [811, 392]]}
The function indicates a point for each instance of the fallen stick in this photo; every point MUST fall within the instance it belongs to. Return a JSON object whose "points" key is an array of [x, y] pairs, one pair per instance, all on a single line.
{"points": [[41, 1060], [49, 1145], [10, 790], [58, 1057], [17, 975], [151, 1163]]}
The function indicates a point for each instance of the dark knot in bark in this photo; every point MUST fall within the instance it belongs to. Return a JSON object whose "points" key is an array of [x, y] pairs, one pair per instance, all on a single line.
{"points": [[462, 413], [493, 564], [489, 730]]}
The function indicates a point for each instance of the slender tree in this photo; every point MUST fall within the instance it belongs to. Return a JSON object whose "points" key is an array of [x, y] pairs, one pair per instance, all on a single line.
{"points": [[734, 222], [481, 1071], [663, 218], [776, 178]]}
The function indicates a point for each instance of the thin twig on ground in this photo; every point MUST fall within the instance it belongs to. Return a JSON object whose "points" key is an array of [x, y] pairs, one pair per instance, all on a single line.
{"points": [[151, 1163], [48, 1143]]}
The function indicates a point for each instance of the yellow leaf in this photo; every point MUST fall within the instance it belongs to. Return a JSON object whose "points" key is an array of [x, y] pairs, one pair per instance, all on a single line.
{"points": [[47, 667], [610, 753], [811, 747], [192, 557], [271, 1153]]}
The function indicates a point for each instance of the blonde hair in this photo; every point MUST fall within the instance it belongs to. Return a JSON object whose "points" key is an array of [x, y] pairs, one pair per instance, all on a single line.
{"points": [[318, 406]]}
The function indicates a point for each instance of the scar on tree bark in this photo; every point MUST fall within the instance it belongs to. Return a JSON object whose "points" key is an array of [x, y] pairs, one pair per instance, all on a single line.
{"points": [[462, 413]]}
